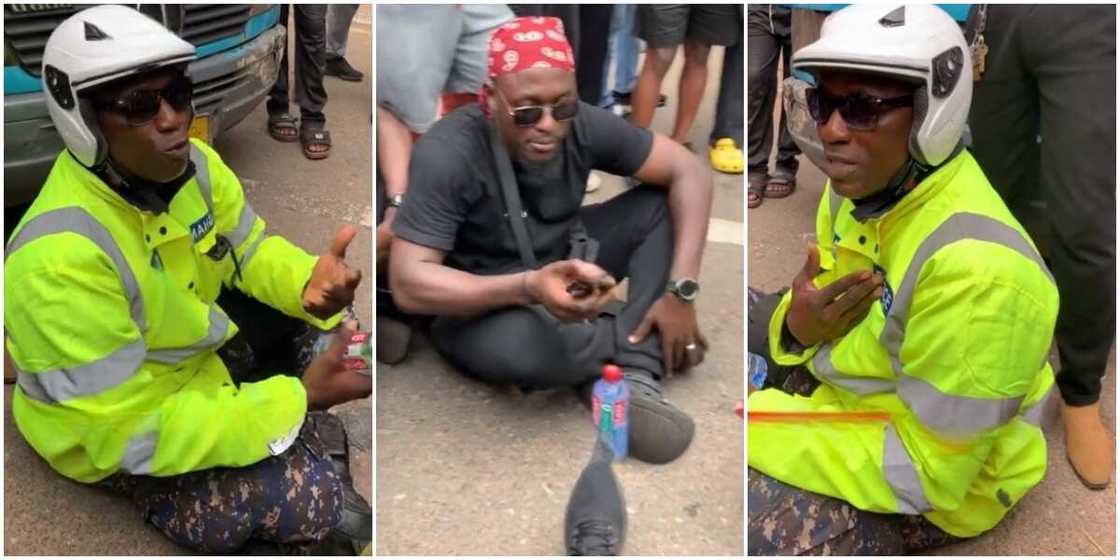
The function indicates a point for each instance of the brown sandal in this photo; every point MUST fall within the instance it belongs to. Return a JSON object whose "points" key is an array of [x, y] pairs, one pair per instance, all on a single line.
{"points": [[785, 187], [310, 137], [756, 191], [282, 127]]}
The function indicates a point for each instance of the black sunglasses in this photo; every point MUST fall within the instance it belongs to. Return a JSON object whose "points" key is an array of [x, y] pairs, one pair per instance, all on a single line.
{"points": [[140, 106], [859, 111], [529, 115]]}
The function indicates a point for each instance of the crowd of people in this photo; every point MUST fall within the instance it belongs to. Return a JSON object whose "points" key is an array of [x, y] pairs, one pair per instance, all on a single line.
{"points": [[970, 159], [319, 34]]}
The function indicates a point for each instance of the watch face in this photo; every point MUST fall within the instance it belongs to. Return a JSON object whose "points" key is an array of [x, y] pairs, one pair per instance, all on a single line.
{"points": [[688, 289]]}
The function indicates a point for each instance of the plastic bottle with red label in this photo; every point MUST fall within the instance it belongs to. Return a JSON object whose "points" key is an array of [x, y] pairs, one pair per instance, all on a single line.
{"points": [[610, 403]]}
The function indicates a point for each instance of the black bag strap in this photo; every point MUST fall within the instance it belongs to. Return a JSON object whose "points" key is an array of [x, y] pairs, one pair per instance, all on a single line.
{"points": [[512, 200]]}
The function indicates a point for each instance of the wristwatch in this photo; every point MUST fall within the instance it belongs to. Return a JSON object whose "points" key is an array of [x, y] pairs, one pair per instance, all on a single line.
{"points": [[686, 289], [396, 200]]}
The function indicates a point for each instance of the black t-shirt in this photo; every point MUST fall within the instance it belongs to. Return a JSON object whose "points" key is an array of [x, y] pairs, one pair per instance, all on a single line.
{"points": [[454, 204]]}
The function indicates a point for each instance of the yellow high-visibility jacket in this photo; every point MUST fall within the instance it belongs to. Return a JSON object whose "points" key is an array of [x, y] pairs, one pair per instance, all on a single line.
{"points": [[113, 327], [953, 357]]}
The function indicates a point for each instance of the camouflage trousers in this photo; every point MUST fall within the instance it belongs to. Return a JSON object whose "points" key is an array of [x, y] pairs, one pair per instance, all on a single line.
{"points": [[785, 520], [293, 498]]}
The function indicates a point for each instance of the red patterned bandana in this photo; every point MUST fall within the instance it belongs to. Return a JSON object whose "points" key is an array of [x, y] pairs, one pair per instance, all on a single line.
{"points": [[524, 43]]}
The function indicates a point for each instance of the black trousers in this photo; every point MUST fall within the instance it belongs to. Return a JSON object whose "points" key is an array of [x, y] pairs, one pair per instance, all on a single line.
{"points": [[729, 104], [310, 53], [1051, 74], [528, 347], [768, 36]]}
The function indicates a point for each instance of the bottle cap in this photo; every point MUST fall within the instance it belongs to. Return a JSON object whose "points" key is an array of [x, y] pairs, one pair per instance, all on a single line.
{"points": [[612, 373]]}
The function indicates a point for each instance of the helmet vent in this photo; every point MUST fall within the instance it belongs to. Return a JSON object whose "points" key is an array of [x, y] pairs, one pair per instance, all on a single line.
{"points": [[94, 33], [58, 84], [896, 18], [946, 73]]}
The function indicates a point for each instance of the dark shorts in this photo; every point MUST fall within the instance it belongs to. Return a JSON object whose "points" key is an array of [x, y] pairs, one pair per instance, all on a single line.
{"points": [[668, 25]]}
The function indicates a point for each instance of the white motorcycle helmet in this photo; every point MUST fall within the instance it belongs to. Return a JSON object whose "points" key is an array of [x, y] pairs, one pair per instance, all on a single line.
{"points": [[914, 43], [91, 48]]}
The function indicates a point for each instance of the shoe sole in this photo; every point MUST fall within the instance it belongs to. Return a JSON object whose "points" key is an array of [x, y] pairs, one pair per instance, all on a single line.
{"points": [[665, 432]]}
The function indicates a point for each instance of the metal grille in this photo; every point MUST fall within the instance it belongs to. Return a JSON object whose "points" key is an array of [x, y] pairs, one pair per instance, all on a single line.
{"points": [[204, 23], [27, 26], [209, 94]]}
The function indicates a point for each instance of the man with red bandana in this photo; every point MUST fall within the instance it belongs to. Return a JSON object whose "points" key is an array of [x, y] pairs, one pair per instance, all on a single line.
{"points": [[501, 319]]}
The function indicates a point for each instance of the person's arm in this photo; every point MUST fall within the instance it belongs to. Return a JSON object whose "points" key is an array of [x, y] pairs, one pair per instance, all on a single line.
{"points": [[394, 150], [422, 284], [87, 386], [688, 184], [270, 269]]}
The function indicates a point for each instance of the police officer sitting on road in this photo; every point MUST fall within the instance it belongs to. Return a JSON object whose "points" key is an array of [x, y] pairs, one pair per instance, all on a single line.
{"points": [[908, 361], [143, 299]]}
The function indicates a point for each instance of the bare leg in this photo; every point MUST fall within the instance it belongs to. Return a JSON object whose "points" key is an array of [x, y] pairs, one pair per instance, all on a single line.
{"points": [[693, 79], [644, 98]]}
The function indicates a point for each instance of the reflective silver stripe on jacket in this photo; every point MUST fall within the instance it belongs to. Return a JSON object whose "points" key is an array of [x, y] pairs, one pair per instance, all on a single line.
{"points": [[822, 363], [952, 413], [245, 221], [57, 385], [139, 453], [202, 175], [215, 336], [902, 476], [244, 226], [252, 250], [1033, 415], [76, 220]]}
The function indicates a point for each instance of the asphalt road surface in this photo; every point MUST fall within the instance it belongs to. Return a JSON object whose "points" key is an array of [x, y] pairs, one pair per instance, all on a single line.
{"points": [[302, 200], [468, 468]]}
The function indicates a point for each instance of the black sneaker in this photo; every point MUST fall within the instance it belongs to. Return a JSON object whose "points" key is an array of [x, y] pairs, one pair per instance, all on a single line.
{"points": [[595, 521], [659, 431], [338, 67]]}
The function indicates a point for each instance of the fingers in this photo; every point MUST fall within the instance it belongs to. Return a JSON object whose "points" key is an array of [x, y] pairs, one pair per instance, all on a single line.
{"points": [[643, 329], [352, 277], [810, 268], [591, 273], [838, 287], [342, 240], [668, 356], [853, 297], [857, 312]]}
